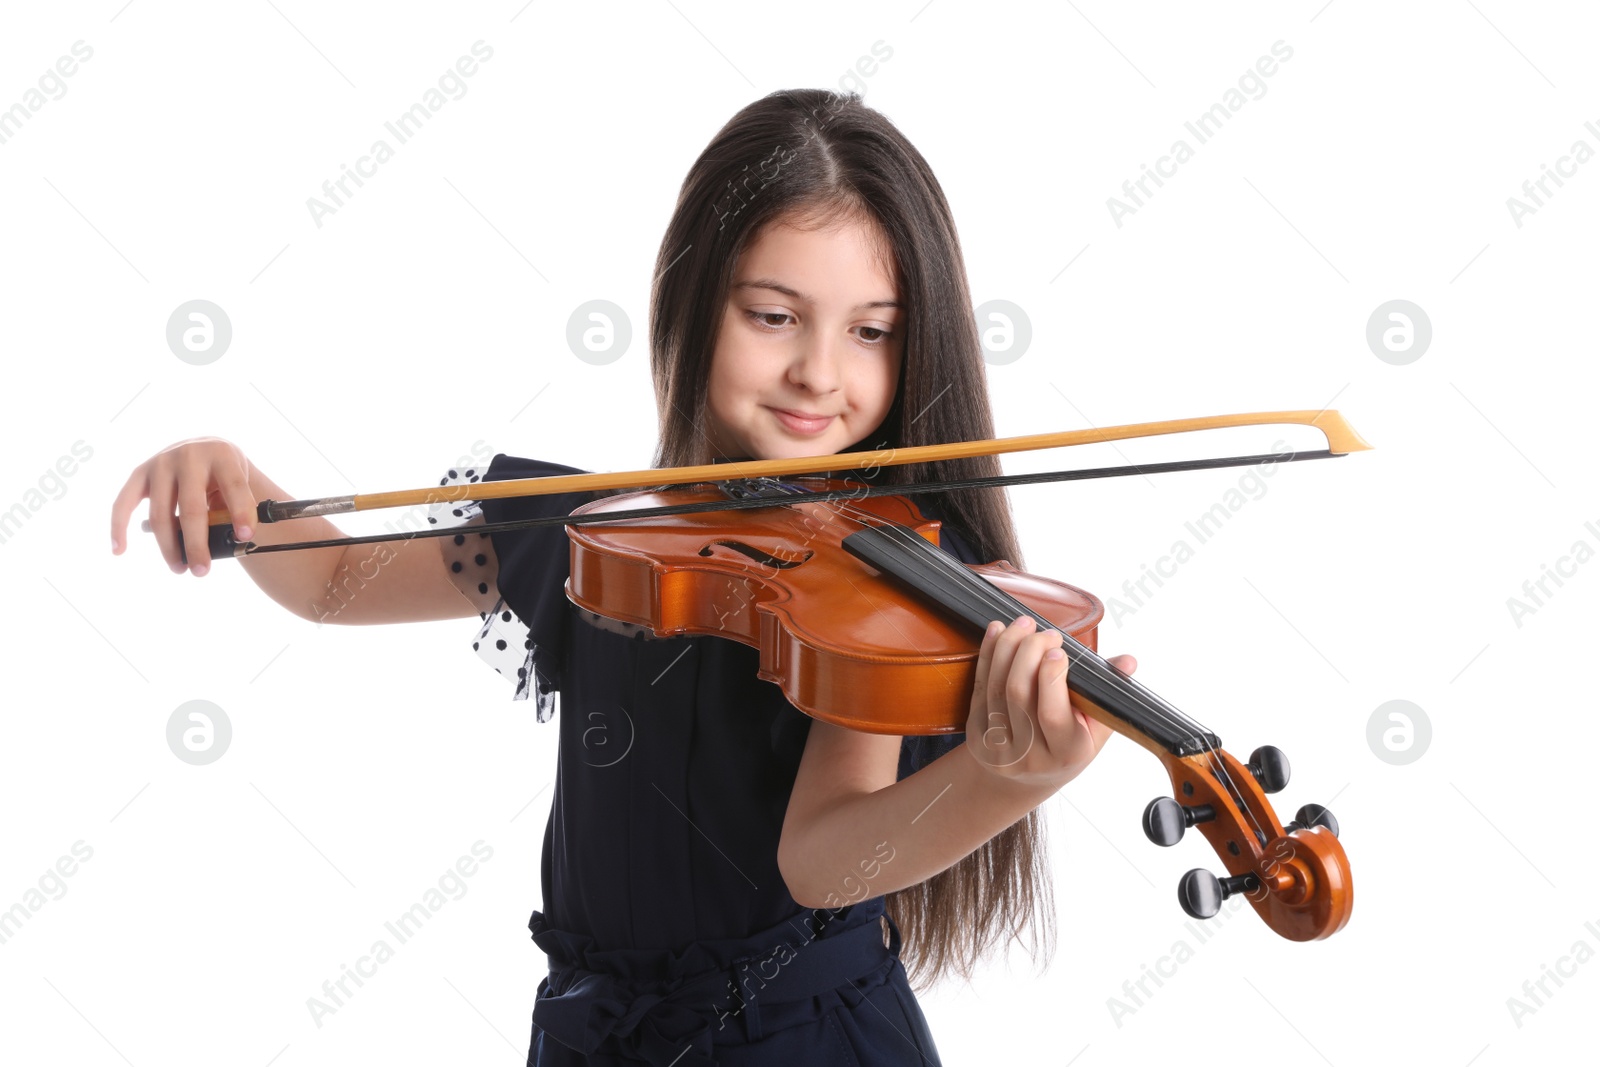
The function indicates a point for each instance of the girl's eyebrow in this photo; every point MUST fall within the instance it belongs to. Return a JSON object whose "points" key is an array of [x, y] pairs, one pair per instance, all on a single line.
{"points": [[775, 286]]}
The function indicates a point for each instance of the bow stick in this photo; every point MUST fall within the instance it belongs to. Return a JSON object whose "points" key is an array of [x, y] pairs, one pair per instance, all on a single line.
{"points": [[1340, 435]]}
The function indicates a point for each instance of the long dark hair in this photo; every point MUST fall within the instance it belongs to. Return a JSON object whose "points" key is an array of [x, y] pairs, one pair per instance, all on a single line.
{"points": [[816, 156]]}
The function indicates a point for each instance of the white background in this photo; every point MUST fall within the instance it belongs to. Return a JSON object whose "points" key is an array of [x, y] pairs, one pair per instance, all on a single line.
{"points": [[428, 317]]}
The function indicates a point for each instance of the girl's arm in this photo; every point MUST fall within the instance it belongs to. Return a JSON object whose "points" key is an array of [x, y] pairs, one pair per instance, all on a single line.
{"points": [[852, 831], [389, 581]]}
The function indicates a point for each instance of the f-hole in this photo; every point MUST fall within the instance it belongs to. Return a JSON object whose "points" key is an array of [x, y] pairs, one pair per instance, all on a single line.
{"points": [[757, 554]]}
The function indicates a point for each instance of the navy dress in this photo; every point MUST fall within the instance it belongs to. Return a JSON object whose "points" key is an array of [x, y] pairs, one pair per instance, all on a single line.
{"points": [[671, 936]]}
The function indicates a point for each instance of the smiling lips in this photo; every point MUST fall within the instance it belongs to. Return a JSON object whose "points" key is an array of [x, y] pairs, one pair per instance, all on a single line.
{"points": [[803, 422]]}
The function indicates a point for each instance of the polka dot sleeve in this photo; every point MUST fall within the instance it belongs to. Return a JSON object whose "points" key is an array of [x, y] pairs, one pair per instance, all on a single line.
{"points": [[503, 640]]}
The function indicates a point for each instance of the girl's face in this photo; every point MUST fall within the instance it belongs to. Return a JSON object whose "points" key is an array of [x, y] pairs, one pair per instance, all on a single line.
{"points": [[808, 355]]}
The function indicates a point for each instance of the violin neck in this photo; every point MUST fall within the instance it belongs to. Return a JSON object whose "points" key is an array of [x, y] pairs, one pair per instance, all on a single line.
{"points": [[974, 599]]}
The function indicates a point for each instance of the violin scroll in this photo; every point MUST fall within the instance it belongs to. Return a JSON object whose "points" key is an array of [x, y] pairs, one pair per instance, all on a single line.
{"points": [[1296, 876]]}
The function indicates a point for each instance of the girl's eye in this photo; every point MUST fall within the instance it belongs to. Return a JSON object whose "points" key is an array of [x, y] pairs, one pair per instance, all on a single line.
{"points": [[763, 318], [773, 321]]}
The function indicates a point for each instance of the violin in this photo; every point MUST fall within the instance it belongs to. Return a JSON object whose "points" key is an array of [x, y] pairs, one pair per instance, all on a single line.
{"points": [[864, 622]]}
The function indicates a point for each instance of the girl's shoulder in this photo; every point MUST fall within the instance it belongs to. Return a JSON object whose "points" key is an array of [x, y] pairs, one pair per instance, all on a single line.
{"points": [[515, 577], [504, 467]]}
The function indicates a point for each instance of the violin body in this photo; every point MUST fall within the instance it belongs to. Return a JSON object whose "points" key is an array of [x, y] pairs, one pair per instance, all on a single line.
{"points": [[890, 650], [844, 642]]}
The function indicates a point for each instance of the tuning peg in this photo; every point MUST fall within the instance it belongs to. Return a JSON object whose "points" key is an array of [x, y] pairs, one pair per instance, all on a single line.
{"points": [[1201, 893], [1313, 815], [1165, 819], [1271, 768]]}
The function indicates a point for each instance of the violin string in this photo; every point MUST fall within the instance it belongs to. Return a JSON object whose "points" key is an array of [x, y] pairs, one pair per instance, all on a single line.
{"points": [[1147, 701], [1004, 604], [997, 599]]}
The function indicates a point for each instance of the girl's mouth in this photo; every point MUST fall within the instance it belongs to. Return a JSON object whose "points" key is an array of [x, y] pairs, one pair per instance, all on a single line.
{"points": [[800, 423]]}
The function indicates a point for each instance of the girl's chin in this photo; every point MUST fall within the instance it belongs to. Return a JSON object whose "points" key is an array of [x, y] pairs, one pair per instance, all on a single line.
{"points": [[825, 444], [780, 445]]}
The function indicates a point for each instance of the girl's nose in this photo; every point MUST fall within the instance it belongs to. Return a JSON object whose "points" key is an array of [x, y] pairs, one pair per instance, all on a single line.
{"points": [[816, 365]]}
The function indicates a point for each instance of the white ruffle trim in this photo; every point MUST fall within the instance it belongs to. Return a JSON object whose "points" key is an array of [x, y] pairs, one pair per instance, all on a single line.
{"points": [[503, 641]]}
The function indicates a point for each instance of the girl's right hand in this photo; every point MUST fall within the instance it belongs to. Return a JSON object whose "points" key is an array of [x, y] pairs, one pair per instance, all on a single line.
{"points": [[196, 475]]}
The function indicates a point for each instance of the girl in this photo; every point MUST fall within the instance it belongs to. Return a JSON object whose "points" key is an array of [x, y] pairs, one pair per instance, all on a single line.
{"points": [[726, 880]]}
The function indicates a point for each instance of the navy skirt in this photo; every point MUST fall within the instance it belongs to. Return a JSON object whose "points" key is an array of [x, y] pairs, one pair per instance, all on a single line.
{"points": [[787, 995]]}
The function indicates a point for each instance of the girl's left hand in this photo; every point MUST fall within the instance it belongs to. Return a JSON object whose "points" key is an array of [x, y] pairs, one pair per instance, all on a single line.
{"points": [[1022, 726]]}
